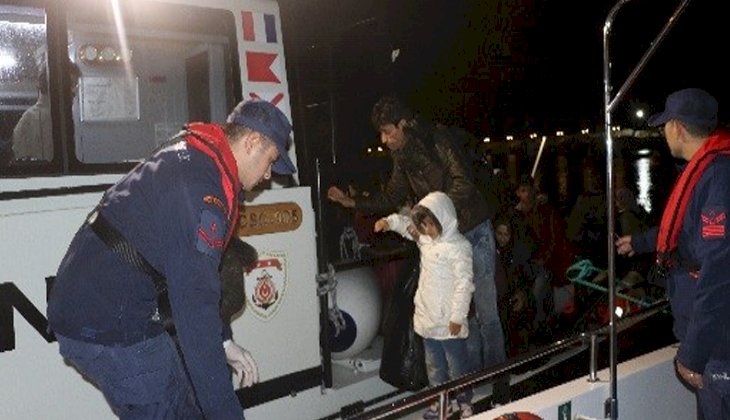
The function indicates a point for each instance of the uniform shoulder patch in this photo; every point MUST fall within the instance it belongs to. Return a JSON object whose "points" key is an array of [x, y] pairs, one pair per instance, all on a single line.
{"points": [[210, 233], [215, 201], [713, 222]]}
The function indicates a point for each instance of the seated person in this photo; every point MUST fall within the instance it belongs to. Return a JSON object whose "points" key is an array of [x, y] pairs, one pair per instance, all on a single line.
{"points": [[32, 137]]}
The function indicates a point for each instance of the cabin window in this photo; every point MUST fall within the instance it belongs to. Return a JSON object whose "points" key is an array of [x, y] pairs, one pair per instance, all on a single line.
{"points": [[26, 135], [147, 69], [137, 73]]}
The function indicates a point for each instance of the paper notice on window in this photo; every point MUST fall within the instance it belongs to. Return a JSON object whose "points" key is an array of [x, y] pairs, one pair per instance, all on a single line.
{"points": [[109, 99]]}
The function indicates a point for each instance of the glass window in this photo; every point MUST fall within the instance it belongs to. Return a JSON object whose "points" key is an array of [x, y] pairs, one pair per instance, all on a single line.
{"points": [[25, 122], [147, 69]]}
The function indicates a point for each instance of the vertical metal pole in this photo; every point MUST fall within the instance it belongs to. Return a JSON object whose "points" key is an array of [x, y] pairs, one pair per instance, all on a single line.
{"points": [[324, 336], [443, 405], [593, 368], [611, 405]]}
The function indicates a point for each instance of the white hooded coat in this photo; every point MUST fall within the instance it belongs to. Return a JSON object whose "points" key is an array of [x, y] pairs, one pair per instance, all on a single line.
{"points": [[445, 283]]}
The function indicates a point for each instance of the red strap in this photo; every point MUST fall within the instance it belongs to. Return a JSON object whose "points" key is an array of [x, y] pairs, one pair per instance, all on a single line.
{"points": [[210, 139], [676, 208]]}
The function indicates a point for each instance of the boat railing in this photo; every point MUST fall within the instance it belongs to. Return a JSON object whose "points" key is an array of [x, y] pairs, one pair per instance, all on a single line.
{"points": [[557, 352]]}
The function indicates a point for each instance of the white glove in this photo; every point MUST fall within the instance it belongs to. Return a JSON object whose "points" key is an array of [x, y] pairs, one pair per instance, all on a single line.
{"points": [[242, 362]]}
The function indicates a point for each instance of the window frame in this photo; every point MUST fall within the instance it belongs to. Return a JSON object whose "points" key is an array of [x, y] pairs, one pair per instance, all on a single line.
{"points": [[218, 21]]}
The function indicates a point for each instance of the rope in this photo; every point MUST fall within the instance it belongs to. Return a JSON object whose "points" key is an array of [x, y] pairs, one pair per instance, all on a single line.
{"points": [[327, 285], [582, 271]]}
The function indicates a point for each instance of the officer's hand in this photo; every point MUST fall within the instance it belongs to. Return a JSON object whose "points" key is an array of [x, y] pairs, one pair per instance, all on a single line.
{"points": [[242, 362], [624, 247], [692, 378]]}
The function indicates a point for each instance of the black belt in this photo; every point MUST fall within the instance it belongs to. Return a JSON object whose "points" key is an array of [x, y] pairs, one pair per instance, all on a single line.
{"points": [[128, 253]]}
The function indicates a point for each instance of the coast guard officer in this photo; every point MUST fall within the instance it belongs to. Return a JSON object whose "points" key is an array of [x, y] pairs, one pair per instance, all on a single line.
{"points": [[162, 229], [692, 245]]}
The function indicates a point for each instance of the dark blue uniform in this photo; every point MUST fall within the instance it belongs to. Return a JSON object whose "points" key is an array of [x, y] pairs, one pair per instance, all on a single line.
{"points": [[699, 286], [175, 210]]}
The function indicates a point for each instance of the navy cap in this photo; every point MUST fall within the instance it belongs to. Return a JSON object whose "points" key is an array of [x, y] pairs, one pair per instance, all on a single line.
{"points": [[265, 118], [691, 106]]}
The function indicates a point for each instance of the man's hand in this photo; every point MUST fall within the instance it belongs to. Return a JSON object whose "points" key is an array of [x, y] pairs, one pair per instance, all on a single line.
{"points": [[624, 247], [337, 195], [381, 225], [242, 362]]}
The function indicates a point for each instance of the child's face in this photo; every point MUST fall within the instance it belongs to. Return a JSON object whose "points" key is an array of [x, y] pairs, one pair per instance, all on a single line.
{"points": [[503, 235], [524, 194], [429, 228]]}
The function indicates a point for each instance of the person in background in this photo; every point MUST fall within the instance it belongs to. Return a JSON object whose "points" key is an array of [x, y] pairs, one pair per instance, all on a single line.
{"points": [[32, 137], [426, 159], [163, 227], [516, 303], [538, 225], [445, 286], [631, 218], [692, 246], [586, 223]]}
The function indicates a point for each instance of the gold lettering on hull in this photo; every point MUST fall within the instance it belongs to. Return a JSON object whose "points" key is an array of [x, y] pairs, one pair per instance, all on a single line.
{"points": [[269, 218]]}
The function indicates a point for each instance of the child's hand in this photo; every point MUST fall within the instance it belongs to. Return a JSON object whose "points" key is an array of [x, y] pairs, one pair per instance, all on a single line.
{"points": [[454, 328], [381, 225]]}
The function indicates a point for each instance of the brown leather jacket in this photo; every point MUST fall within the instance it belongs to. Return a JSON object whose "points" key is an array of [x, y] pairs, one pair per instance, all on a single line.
{"points": [[419, 170]]}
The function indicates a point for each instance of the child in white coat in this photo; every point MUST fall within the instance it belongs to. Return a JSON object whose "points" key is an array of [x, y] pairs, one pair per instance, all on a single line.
{"points": [[445, 287]]}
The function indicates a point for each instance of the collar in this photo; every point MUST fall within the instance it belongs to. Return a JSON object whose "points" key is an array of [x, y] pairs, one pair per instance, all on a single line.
{"points": [[676, 208]]}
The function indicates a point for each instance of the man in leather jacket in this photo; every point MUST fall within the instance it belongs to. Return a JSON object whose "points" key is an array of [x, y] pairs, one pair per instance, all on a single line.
{"points": [[427, 158]]}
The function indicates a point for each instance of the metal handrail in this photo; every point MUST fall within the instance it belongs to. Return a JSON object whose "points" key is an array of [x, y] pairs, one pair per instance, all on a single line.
{"points": [[611, 406], [581, 342]]}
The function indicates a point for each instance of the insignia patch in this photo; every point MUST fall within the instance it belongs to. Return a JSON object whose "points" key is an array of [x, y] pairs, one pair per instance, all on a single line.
{"points": [[265, 282], [215, 201], [210, 233], [713, 222]]}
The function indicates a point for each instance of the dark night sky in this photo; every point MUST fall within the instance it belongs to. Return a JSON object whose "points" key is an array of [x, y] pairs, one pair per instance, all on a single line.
{"points": [[493, 67]]}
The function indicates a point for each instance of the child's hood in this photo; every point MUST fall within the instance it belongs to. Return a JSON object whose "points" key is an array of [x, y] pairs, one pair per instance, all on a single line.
{"points": [[443, 208]]}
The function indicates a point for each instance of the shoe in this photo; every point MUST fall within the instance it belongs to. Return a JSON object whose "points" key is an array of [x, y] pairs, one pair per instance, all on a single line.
{"points": [[466, 410], [432, 412]]}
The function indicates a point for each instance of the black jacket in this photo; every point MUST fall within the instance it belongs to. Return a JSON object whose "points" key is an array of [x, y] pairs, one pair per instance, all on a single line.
{"points": [[421, 167]]}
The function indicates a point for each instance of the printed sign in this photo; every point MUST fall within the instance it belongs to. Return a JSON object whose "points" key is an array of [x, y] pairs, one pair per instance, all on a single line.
{"points": [[109, 98]]}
